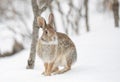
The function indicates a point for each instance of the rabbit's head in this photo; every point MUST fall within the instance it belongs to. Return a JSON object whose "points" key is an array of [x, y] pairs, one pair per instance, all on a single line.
{"points": [[49, 33]]}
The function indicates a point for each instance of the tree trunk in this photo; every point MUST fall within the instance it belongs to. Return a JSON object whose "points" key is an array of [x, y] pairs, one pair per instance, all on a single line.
{"points": [[36, 13], [86, 15], [115, 8]]}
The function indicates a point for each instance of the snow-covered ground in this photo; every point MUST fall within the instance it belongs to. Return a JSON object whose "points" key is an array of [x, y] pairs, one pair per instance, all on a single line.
{"points": [[98, 57]]}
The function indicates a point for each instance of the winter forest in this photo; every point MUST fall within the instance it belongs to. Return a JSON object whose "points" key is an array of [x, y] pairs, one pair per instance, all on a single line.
{"points": [[92, 25]]}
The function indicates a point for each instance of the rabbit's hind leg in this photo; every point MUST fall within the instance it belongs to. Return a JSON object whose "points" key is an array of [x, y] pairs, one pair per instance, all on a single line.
{"points": [[55, 69], [65, 69]]}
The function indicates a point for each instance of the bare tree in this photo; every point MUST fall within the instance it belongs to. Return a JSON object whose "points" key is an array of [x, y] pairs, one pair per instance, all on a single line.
{"points": [[71, 18], [38, 8], [115, 8], [86, 15]]}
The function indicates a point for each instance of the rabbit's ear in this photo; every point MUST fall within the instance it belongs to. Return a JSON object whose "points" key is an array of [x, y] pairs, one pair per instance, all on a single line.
{"points": [[41, 22], [51, 19]]}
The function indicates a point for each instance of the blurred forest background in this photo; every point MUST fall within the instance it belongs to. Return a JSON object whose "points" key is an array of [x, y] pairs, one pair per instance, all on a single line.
{"points": [[16, 19]]}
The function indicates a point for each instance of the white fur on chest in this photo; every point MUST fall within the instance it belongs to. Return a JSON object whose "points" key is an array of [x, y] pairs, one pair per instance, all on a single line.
{"points": [[54, 42]]}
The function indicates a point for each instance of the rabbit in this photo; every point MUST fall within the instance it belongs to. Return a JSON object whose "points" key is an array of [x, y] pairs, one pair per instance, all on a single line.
{"points": [[54, 48]]}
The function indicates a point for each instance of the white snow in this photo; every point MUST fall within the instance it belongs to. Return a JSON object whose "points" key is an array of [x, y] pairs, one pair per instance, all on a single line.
{"points": [[98, 57], [6, 40]]}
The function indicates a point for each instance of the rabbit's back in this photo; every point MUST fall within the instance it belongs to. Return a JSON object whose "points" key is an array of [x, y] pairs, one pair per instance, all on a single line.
{"points": [[66, 50]]}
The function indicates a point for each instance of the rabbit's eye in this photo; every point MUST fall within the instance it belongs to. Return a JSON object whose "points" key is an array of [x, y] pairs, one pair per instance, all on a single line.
{"points": [[46, 32]]}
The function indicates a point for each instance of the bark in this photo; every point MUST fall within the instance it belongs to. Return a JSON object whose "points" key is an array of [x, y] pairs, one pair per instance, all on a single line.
{"points": [[115, 8], [37, 12], [86, 15], [31, 59]]}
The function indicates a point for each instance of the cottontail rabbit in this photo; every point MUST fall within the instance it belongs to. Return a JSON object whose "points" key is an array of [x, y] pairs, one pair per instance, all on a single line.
{"points": [[54, 48]]}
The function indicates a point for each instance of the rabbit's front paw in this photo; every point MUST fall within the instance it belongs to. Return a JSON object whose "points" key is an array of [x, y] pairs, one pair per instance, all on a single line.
{"points": [[47, 74]]}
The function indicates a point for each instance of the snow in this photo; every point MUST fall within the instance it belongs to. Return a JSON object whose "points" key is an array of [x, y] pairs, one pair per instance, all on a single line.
{"points": [[98, 60], [6, 38], [98, 57]]}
